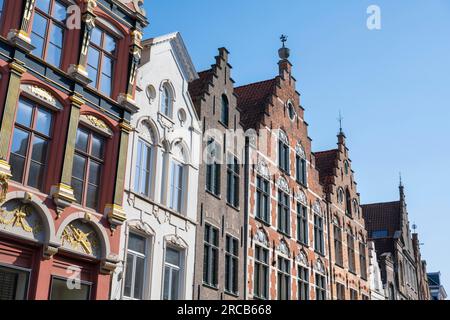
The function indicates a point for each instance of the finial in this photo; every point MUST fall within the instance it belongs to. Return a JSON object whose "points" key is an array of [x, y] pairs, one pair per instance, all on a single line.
{"points": [[414, 226], [401, 181], [284, 52], [340, 119]]}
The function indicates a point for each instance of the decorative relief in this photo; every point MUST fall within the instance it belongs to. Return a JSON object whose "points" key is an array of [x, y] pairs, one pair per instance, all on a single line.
{"points": [[261, 237], [82, 238], [283, 248], [263, 169], [302, 259], [21, 218], [96, 123], [42, 93], [4, 178], [316, 208], [283, 137], [300, 151], [318, 266], [336, 221], [283, 184], [300, 196]]}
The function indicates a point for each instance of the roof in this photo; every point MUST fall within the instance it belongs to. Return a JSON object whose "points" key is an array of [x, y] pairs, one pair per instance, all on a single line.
{"points": [[325, 163], [252, 100], [383, 216], [198, 87]]}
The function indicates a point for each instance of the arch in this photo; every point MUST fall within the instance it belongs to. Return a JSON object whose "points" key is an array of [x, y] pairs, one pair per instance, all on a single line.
{"points": [[300, 196], [348, 202], [94, 222], [300, 151], [302, 258], [41, 209], [262, 237], [316, 208], [283, 184], [98, 121], [283, 137], [166, 98], [180, 151], [152, 135], [283, 247], [319, 266], [140, 226], [113, 23], [45, 94]]}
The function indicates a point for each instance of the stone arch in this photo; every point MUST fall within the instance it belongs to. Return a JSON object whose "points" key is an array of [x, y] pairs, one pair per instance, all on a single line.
{"points": [[94, 222], [146, 122], [46, 217], [180, 151], [262, 236], [140, 226]]}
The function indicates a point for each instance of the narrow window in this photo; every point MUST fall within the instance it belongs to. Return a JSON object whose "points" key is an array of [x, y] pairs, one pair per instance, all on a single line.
{"points": [[339, 258], [87, 167], [318, 234], [47, 33], [231, 265], [211, 256], [1, 9], [173, 274], [60, 290], [176, 186], [320, 287], [262, 199], [213, 168], [351, 252], [283, 154], [233, 182], [143, 168], [301, 170], [30, 144], [167, 100], [353, 294], [348, 203], [302, 224], [283, 212], [102, 56], [340, 291], [135, 267], [303, 284], [363, 260], [225, 112], [284, 279], [261, 277], [13, 284]]}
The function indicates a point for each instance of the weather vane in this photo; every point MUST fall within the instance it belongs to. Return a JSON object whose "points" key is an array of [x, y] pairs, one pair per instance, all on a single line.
{"points": [[283, 39], [340, 119]]}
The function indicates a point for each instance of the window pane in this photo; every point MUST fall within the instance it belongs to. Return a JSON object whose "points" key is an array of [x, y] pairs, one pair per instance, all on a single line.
{"points": [[136, 243], [39, 153], [59, 11], [96, 36], [79, 165], [1, 8], [106, 85], [97, 146], [38, 34], [92, 197], [139, 278], [110, 44], [44, 121], [36, 175], [175, 284], [167, 275], [173, 257], [94, 173], [61, 291], [82, 140], [54, 53], [24, 113], [77, 187], [129, 276], [17, 167], [44, 5], [20, 142], [13, 283], [93, 62]]}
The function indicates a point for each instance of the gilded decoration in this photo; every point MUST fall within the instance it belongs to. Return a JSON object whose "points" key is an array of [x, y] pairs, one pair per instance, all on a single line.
{"points": [[21, 218], [81, 237]]}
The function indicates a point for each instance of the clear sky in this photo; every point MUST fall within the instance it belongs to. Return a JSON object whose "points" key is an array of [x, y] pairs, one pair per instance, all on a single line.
{"points": [[392, 86]]}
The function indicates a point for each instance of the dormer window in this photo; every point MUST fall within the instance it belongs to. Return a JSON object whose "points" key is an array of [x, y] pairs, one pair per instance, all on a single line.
{"points": [[101, 60], [47, 33], [166, 100]]}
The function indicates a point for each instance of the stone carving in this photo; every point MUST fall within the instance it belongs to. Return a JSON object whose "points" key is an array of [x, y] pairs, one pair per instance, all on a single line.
{"points": [[302, 258], [283, 184], [82, 238], [261, 237], [300, 151], [300, 196], [319, 266], [283, 248], [4, 178], [20, 217], [316, 208], [283, 137], [263, 169]]}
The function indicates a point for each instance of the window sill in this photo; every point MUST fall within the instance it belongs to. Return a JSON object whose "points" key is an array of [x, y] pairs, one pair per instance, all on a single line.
{"points": [[209, 286], [217, 196], [352, 272], [238, 209], [284, 233], [235, 295], [286, 172], [322, 254], [303, 244], [226, 126], [339, 265], [302, 184], [266, 223]]}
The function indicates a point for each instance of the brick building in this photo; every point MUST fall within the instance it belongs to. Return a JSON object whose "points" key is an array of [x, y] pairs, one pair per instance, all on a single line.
{"points": [[422, 278], [63, 141], [286, 216], [220, 247], [347, 236], [389, 228]]}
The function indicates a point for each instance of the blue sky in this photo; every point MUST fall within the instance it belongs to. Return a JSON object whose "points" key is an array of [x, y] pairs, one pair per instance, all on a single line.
{"points": [[391, 85]]}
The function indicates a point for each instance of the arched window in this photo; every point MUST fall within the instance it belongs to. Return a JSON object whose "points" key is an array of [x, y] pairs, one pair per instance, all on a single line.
{"points": [[291, 111], [47, 33], [346, 167], [284, 212], [167, 100], [225, 112], [102, 56], [88, 166], [30, 143], [300, 165], [144, 161], [283, 152], [319, 241], [348, 203]]}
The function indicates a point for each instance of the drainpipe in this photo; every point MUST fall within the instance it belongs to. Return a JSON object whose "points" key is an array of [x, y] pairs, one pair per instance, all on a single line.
{"points": [[246, 215], [329, 245]]}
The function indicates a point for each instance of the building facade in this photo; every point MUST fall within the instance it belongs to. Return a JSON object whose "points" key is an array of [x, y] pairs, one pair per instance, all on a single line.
{"points": [[220, 211], [286, 227], [63, 141], [389, 228], [377, 290], [437, 290], [422, 278], [157, 248], [347, 235]]}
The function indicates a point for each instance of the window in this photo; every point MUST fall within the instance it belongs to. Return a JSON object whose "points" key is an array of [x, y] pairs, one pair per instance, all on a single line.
{"points": [[353, 294], [320, 287], [211, 256], [135, 267], [303, 284], [346, 167], [302, 224], [13, 282], [61, 291], [87, 167], [378, 234], [283, 152], [340, 195], [173, 274], [263, 199], [47, 34], [30, 144], [318, 234], [365, 298], [213, 167], [176, 186], [1, 9], [363, 260], [261, 277], [301, 169], [143, 168], [284, 279], [167, 100], [231, 265], [391, 292], [283, 212], [101, 60], [225, 112], [348, 203], [340, 291], [351, 252], [233, 182], [291, 111], [339, 257]]}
